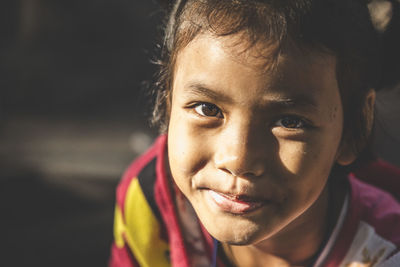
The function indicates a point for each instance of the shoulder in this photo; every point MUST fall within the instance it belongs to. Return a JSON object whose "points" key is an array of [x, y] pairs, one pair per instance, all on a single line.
{"points": [[141, 172], [377, 208], [370, 232], [371, 228], [383, 175], [140, 237], [374, 200]]}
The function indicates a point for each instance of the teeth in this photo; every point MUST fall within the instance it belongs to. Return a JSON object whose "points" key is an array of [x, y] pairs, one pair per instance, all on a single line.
{"points": [[232, 204], [230, 197], [217, 197], [240, 198], [237, 197]]}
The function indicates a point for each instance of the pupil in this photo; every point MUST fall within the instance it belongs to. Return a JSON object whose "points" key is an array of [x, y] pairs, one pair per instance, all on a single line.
{"points": [[290, 122], [209, 110]]}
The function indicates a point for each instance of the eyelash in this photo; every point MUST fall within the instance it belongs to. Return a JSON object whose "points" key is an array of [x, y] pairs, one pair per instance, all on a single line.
{"points": [[299, 122], [213, 108]]}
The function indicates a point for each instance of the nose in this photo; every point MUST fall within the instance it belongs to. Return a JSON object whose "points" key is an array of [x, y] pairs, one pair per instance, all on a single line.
{"points": [[242, 150]]}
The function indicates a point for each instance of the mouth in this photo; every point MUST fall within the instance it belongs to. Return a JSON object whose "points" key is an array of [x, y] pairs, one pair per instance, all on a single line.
{"points": [[235, 204]]}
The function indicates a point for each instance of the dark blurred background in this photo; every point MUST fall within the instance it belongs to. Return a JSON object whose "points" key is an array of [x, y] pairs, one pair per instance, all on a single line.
{"points": [[73, 114]]}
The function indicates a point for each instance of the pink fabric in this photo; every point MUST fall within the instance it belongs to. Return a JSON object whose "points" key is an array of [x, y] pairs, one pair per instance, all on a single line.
{"points": [[121, 257], [133, 170], [166, 205], [373, 206], [377, 208], [163, 197], [383, 175]]}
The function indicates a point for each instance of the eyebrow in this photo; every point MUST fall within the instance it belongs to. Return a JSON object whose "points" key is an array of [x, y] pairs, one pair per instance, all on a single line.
{"points": [[201, 89], [301, 101], [275, 101]]}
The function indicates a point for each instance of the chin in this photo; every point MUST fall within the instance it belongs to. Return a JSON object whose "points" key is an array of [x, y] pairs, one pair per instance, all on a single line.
{"points": [[242, 240], [239, 242], [238, 234]]}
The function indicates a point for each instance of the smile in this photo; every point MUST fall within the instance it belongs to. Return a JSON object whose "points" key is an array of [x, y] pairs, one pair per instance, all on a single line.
{"points": [[234, 204]]}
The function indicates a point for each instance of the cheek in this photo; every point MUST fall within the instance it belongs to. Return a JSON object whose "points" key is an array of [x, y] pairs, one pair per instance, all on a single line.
{"points": [[185, 151], [310, 159], [292, 154], [305, 167], [299, 157]]}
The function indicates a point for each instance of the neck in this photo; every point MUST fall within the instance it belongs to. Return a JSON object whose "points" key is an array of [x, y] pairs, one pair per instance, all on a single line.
{"points": [[299, 243]]}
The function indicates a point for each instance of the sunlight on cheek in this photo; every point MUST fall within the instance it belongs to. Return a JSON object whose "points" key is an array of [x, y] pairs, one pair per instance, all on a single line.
{"points": [[292, 155]]}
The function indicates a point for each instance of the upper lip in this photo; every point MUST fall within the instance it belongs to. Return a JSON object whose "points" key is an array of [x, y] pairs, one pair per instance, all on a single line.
{"points": [[241, 196], [240, 189]]}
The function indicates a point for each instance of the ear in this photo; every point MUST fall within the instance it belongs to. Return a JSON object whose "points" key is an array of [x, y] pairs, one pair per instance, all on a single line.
{"points": [[346, 154]]}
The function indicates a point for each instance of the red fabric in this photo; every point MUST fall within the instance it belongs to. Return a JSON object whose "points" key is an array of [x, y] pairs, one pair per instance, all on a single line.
{"points": [[383, 175], [133, 170], [121, 257], [166, 205], [208, 240], [378, 209], [373, 206]]}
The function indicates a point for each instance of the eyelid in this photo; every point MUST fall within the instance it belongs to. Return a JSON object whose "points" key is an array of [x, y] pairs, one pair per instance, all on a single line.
{"points": [[305, 123], [199, 104]]}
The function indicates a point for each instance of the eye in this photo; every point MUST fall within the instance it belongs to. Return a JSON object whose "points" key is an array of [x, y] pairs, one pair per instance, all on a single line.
{"points": [[208, 110], [291, 122]]}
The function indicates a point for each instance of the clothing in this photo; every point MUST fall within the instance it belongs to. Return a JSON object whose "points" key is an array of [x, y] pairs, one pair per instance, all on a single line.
{"points": [[156, 226]]}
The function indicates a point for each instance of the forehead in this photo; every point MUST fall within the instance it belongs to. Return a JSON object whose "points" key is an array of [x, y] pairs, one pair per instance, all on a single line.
{"points": [[229, 62]]}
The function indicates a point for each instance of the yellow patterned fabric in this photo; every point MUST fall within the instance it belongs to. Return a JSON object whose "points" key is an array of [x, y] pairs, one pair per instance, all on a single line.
{"points": [[139, 229]]}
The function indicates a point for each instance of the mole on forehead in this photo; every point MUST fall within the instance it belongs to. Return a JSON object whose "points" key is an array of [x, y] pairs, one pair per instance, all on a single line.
{"points": [[334, 112]]}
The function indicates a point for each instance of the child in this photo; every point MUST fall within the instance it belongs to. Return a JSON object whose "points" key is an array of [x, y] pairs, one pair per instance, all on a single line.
{"points": [[265, 108]]}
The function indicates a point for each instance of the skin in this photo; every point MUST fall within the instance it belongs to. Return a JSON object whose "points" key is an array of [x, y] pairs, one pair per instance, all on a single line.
{"points": [[238, 129]]}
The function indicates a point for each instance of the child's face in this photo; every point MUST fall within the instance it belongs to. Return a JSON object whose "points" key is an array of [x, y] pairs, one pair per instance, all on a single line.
{"points": [[252, 150]]}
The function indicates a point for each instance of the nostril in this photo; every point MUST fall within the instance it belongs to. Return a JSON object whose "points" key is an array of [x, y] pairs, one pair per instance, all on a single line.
{"points": [[227, 171], [243, 172], [240, 157]]}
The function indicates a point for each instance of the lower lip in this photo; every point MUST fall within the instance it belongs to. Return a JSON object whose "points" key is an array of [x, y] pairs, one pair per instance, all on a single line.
{"points": [[233, 206]]}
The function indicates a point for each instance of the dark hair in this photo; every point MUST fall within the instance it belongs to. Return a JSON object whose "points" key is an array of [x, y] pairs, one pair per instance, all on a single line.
{"points": [[340, 27]]}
